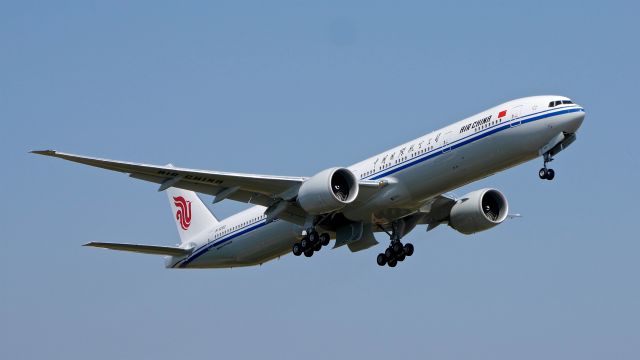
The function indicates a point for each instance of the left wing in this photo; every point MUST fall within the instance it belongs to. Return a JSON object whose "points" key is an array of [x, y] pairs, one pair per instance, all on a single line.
{"points": [[144, 249], [436, 211], [433, 212]]}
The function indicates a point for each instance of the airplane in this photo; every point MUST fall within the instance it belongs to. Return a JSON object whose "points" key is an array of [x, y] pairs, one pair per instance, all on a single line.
{"points": [[391, 192]]}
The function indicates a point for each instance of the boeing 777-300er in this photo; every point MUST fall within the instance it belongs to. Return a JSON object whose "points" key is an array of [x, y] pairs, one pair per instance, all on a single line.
{"points": [[391, 192]]}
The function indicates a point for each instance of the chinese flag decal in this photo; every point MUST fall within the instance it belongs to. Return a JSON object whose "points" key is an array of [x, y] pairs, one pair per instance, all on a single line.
{"points": [[502, 114]]}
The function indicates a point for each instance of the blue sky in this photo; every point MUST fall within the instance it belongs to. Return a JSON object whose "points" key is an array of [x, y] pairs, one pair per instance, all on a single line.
{"points": [[293, 88]]}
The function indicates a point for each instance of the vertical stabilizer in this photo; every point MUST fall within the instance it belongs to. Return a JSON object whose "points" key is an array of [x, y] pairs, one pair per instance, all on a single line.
{"points": [[191, 215]]}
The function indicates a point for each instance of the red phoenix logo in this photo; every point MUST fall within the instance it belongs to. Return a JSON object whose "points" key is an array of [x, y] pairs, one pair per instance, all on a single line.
{"points": [[183, 215]]}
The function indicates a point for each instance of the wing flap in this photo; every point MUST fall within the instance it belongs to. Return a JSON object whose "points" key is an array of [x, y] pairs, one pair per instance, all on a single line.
{"points": [[143, 249]]}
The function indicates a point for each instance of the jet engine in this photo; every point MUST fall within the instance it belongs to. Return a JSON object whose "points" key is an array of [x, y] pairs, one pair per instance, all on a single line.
{"points": [[478, 211], [328, 191]]}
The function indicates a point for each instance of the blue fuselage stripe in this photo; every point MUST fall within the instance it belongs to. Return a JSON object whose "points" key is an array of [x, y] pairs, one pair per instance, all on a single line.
{"points": [[466, 140], [203, 249]]}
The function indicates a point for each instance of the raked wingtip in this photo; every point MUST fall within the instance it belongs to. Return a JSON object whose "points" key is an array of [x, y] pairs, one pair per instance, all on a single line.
{"points": [[43, 152]]}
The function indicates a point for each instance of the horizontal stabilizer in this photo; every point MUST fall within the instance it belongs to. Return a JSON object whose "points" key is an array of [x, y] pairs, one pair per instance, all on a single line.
{"points": [[144, 249]]}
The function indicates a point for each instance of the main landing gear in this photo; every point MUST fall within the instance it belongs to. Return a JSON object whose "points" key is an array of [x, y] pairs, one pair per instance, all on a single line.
{"points": [[396, 251], [544, 173], [310, 243]]}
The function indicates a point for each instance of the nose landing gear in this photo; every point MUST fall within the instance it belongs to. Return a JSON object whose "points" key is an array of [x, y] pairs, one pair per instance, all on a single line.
{"points": [[544, 173], [310, 244]]}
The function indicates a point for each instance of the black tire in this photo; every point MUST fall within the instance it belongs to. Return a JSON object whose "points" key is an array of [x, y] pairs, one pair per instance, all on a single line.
{"points": [[392, 263], [542, 173], [551, 174], [389, 253], [397, 247], [401, 257], [408, 249], [381, 259], [313, 236], [324, 239], [297, 249], [317, 247], [308, 253], [306, 244]]}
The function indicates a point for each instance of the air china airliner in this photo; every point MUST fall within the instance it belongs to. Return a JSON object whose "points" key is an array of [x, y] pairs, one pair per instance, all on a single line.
{"points": [[390, 193]]}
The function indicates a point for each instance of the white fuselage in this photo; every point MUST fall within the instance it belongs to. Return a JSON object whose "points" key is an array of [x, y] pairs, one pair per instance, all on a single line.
{"points": [[443, 160]]}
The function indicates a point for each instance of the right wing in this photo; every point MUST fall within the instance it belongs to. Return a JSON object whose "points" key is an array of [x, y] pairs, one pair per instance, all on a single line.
{"points": [[265, 190], [274, 192]]}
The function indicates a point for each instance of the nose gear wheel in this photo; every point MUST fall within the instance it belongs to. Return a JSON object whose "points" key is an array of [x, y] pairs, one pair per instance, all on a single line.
{"points": [[545, 173]]}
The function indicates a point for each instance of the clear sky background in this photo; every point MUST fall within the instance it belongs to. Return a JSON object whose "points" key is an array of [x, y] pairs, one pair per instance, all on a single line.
{"points": [[292, 88]]}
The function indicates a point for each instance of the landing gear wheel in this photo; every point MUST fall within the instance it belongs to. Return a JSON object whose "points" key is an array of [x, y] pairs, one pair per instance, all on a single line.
{"points": [[389, 253], [396, 252], [543, 173], [324, 239], [382, 259], [308, 253], [550, 174], [306, 244], [313, 236], [317, 247], [408, 249], [297, 249]]}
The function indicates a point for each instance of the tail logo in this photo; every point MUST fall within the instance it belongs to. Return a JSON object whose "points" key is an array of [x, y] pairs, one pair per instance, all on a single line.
{"points": [[183, 214]]}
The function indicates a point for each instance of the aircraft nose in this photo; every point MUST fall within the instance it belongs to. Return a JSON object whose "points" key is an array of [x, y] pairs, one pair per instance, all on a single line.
{"points": [[574, 121]]}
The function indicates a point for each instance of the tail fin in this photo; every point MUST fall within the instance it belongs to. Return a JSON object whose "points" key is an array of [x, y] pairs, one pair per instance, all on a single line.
{"points": [[191, 215]]}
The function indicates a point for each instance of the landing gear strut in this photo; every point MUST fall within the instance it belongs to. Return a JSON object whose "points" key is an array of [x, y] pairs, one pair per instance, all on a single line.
{"points": [[396, 252], [310, 243], [544, 173]]}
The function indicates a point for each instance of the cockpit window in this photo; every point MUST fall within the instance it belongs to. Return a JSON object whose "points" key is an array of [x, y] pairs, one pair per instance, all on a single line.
{"points": [[560, 102]]}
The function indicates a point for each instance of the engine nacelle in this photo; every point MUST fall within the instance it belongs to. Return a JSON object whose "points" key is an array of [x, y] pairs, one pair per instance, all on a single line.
{"points": [[328, 191], [478, 211]]}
